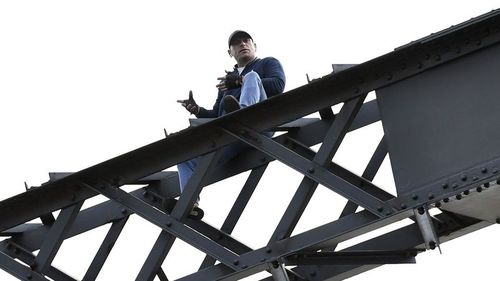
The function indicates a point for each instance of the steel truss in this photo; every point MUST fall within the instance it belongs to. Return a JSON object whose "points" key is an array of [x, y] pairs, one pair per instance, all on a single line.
{"points": [[310, 255]]}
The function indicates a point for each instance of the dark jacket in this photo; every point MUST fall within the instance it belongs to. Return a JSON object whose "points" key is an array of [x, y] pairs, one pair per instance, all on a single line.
{"points": [[273, 79]]}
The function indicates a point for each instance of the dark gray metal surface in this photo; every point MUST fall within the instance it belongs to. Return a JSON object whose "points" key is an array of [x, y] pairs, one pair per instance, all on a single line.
{"points": [[443, 121]]}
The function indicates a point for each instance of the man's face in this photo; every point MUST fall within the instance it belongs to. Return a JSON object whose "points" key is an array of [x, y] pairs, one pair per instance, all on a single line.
{"points": [[243, 50]]}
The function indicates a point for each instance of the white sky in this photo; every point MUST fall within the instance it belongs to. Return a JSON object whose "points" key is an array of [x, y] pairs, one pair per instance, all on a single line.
{"points": [[85, 81]]}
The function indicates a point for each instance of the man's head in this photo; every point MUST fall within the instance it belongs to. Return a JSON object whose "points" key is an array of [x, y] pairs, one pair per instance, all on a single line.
{"points": [[241, 47]]}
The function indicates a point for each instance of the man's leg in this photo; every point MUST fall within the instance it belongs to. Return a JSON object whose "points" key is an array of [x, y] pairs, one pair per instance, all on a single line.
{"points": [[186, 170], [252, 90]]}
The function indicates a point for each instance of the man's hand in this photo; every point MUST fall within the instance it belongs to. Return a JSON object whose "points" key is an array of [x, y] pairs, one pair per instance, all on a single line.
{"points": [[232, 80], [190, 104]]}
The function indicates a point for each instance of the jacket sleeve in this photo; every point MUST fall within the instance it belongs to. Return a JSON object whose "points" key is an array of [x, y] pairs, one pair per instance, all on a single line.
{"points": [[210, 113], [274, 77]]}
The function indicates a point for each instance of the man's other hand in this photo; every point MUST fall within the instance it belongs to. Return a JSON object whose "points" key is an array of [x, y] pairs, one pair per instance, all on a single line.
{"points": [[190, 104], [232, 80]]}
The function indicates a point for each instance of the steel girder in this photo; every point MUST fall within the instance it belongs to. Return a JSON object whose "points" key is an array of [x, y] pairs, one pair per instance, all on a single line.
{"points": [[309, 251]]}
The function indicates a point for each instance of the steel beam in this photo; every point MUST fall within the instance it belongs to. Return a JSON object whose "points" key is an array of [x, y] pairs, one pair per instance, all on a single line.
{"points": [[363, 78], [16, 251], [238, 207], [105, 249], [306, 189], [312, 240], [310, 169], [18, 270], [55, 237], [187, 199]]}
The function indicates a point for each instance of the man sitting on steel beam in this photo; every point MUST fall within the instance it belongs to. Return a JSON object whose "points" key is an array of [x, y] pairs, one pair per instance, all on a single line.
{"points": [[251, 81]]}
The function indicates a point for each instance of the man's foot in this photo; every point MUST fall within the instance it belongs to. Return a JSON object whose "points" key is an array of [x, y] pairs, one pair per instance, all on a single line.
{"points": [[230, 104], [196, 213]]}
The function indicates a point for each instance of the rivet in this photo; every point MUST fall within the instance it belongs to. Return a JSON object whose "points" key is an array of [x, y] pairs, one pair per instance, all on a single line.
{"points": [[414, 197], [421, 211], [29, 276], [236, 262], [380, 208], [446, 200], [263, 159], [463, 178], [123, 211], [430, 196], [498, 220], [484, 170], [403, 206], [310, 170], [444, 185], [420, 65], [479, 189], [268, 250], [498, 181], [458, 196], [487, 185], [466, 192], [438, 204], [168, 224]]}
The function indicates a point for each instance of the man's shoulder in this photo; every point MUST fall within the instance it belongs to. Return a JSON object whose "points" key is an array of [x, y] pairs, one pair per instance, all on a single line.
{"points": [[267, 61]]}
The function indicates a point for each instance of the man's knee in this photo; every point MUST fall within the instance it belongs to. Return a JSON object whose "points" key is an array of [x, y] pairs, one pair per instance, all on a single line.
{"points": [[251, 76]]}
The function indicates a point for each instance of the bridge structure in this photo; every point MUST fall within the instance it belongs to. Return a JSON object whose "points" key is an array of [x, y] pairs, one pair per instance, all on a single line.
{"points": [[437, 99]]}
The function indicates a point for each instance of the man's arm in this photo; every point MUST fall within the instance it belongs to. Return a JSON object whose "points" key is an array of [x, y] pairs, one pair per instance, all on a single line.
{"points": [[273, 79]]}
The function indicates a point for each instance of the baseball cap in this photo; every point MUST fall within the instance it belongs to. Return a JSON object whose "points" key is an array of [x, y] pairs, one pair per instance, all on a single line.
{"points": [[238, 34]]}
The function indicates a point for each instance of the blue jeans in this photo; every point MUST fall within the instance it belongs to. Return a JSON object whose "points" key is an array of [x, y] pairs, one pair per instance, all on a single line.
{"points": [[252, 92]]}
